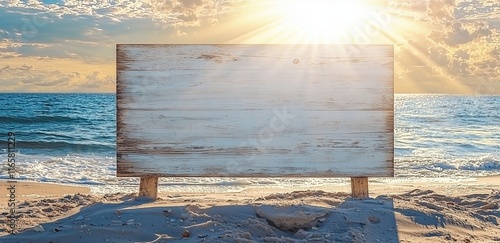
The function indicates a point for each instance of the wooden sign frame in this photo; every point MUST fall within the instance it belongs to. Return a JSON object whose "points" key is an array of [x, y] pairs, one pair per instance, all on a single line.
{"points": [[255, 111]]}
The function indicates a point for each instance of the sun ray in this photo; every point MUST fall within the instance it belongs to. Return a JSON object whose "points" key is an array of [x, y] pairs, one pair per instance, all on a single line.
{"points": [[323, 21]]}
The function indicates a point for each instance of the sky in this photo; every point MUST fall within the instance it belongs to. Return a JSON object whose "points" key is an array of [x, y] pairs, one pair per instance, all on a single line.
{"points": [[441, 46]]}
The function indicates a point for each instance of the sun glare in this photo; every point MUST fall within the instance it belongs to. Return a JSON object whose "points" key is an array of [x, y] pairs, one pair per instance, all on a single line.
{"points": [[315, 21], [323, 20]]}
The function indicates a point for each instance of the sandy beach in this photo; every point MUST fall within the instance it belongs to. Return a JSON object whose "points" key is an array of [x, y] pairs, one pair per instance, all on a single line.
{"points": [[395, 212]]}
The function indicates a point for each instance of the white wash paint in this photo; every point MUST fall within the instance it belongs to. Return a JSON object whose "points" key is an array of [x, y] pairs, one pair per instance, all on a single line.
{"points": [[255, 110]]}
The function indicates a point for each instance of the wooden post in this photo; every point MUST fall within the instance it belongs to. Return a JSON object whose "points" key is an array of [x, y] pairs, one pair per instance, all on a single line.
{"points": [[149, 187], [359, 187]]}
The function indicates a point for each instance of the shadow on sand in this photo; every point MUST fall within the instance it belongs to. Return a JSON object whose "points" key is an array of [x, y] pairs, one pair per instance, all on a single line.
{"points": [[141, 220]]}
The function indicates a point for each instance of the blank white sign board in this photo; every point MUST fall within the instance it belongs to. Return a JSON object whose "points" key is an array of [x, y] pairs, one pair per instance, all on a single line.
{"points": [[255, 110]]}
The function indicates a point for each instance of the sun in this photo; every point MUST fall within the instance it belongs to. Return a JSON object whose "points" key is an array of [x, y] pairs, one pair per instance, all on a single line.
{"points": [[312, 22], [331, 21]]}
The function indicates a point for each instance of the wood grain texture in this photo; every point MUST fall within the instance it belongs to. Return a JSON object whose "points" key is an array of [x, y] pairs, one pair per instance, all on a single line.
{"points": [[148, 187], [255, 110], [359, 187]]}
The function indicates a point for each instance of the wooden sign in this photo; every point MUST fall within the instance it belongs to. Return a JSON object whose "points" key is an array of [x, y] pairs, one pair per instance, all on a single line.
{"points": [[255, 110]]}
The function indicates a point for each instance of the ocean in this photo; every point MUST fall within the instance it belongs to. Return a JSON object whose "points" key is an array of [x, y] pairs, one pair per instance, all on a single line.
{"points": [[71, 139]]}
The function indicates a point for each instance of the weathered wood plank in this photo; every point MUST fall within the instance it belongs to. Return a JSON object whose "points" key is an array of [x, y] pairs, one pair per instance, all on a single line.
{"points": [[255, 110]]}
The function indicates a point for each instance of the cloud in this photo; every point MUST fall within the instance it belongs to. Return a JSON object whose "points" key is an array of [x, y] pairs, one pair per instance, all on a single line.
{"points": [[441, 10], [24, 67], [438, 55], [461, 54], [460, 67], [85, 29], [444, 39], [43, 45], [186, 13], [46, 78], [96, 80], [462, 43], [461, 33], [419, 6], [64, 75], [91, 29]]}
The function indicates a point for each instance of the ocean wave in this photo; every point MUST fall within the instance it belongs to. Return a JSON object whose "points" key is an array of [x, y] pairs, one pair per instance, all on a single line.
{"points": [[485, 167], [39, 119], [447, 166], [488, 165], [63, 146]]}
